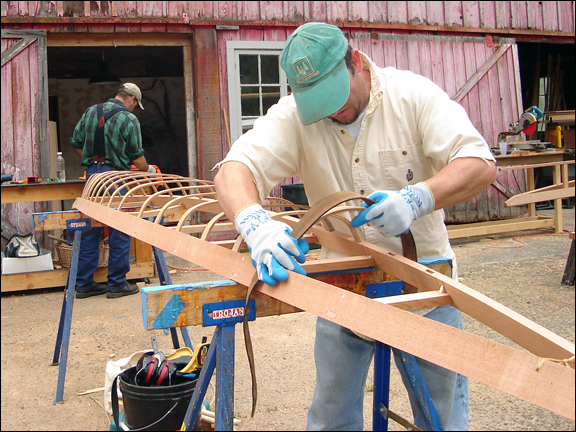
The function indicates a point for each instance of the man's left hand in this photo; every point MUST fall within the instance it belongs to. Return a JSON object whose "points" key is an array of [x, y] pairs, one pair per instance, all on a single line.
{"points": [[394, 211]]}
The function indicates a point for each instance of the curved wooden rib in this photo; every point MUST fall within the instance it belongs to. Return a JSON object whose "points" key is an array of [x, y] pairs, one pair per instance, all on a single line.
{"points": [[211, 224]]}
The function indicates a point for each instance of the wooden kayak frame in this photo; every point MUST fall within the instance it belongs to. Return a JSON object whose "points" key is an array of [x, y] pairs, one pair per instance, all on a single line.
{"points": [[542, 373]]}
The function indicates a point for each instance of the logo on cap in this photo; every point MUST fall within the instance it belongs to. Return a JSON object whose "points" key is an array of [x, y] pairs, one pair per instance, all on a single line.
{"points": [[304, 70]]}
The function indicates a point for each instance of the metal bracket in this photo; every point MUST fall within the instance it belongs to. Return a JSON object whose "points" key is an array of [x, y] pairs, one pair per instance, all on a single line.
{"points": [[385, 289]]}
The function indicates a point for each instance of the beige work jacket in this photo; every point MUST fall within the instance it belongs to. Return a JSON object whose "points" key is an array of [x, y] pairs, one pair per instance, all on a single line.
{"points": [[410, 131]]}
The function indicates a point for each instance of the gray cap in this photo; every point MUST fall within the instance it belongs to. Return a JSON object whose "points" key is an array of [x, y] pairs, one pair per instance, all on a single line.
{"points": [[133, 90]]}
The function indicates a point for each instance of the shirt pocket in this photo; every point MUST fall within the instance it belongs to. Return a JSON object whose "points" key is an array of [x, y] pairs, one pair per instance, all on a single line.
{"points": [[403, 166]]}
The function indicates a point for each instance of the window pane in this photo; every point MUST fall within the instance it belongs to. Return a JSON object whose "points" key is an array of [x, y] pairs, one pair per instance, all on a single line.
{"points": [[270, 74], [270, 96], [248, 69], [250, 101]]}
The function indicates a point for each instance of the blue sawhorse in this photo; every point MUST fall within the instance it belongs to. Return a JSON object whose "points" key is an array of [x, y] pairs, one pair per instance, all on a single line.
{"points": [[60, 357], [220, 357]]}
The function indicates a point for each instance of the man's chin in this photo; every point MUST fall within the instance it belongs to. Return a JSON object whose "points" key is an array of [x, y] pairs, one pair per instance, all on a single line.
{"points": [[346, 122]]}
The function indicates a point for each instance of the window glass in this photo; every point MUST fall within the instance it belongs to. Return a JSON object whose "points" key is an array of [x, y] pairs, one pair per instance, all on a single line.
{"points": [[270, 73], [270, 96], [248, 69], [250, 101]]}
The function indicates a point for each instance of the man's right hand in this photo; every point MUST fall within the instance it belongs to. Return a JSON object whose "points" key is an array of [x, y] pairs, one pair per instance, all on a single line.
{"points": [[272, 248]]}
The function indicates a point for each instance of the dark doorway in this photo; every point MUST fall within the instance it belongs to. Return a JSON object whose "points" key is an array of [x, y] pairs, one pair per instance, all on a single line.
{"points": [[158, 71]]}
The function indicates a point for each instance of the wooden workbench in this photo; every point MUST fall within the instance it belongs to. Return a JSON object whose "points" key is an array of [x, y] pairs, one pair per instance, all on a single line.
{"points": [[533, 221], [51, 191], [56, 191]]}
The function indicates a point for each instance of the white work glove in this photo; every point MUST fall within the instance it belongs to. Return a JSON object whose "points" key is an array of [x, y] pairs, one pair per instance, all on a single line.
{"points": [[272, 248], [394, 211], [151, 169]]}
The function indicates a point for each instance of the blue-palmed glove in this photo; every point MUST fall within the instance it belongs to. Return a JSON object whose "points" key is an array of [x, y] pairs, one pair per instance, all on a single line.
{"points": [[394, 211], [272, 248]]}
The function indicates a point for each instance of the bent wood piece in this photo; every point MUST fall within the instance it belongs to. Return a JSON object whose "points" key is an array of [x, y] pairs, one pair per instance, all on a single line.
{"points": [[505, 368], [539, 195], [304, 224]]}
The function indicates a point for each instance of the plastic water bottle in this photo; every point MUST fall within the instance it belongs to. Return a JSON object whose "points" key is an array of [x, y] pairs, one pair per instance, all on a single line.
{"points": [[61, 172]]}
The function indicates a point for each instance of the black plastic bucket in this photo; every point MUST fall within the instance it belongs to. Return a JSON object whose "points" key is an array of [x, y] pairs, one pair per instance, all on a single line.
{"points": [[158, 408]]}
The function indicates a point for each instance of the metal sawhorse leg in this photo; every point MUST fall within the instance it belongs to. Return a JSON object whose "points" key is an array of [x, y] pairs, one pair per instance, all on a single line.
{"points": [[63, 337], [382, 361]]}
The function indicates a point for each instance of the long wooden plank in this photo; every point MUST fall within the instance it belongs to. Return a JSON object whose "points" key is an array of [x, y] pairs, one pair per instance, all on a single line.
{"points": [[534, 197], [535, 165], [505, 368], [514, 326], [58, 277], [493, 227]]}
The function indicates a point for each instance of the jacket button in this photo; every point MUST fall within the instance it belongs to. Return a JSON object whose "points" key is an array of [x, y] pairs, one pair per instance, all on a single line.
{"points": [[361, 191], [357, 160], [342, 131], [404, 153]]}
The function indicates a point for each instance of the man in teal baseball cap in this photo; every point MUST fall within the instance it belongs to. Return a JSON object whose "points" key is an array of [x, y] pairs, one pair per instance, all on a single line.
{"points": [[390, 135]]}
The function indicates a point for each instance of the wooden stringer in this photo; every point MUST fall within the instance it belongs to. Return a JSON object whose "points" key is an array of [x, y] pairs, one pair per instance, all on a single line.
{"points": [[527, 373]]}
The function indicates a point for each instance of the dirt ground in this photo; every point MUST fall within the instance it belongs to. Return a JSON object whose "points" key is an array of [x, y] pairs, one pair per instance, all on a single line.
{"points": [[521, 270]]}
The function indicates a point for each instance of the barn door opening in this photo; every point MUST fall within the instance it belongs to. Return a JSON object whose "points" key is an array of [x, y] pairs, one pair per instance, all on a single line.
{"points": [[158, 71]]}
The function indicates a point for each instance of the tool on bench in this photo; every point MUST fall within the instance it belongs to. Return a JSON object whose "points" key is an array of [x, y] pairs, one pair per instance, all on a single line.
{"points": [[527, 123], [308, 220]]}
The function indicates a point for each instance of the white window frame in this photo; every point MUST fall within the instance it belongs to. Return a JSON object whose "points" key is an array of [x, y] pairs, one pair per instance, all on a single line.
{"points": [[233, 51]]}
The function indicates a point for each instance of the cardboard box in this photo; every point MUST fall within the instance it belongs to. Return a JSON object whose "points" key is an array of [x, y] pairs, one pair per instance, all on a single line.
{"points": [[41, 262]]}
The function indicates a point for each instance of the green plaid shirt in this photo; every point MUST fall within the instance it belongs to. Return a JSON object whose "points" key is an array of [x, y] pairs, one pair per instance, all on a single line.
{"points": [[122, 136]]}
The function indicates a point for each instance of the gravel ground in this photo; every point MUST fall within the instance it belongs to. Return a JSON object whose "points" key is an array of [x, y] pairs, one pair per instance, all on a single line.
{"points": [[521, 272]]}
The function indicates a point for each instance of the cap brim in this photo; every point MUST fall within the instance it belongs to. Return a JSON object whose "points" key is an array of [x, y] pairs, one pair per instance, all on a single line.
{"points": [[324, 98], [140, 103]]}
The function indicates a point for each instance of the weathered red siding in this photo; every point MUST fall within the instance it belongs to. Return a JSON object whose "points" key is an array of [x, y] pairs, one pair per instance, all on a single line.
{"points": [[550, 16], [20, 127]]}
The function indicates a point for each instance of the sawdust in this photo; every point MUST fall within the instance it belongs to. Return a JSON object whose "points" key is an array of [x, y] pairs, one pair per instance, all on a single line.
{"points": [[526, 279]]}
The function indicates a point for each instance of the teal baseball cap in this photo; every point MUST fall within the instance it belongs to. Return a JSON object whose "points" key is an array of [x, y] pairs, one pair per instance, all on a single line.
{"points": [[313, 59]]}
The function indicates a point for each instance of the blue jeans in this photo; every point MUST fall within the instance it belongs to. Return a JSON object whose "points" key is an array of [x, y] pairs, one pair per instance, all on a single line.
{"points": [[342, 363], [119, 258]]}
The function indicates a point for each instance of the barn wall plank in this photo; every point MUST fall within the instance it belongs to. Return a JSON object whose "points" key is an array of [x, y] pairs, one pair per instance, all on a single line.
{"points": [[209, 111]]}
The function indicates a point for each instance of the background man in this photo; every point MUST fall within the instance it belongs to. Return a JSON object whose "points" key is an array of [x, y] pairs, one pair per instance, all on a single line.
{"points": [[108, 138]]}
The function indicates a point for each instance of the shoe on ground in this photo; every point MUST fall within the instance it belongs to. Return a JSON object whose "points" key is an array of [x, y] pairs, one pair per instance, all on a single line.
{"points": [[96, 289], [126, 290]]}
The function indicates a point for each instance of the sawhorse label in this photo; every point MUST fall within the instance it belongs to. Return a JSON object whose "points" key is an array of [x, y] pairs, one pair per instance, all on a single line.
{"points": [[227, 312]]}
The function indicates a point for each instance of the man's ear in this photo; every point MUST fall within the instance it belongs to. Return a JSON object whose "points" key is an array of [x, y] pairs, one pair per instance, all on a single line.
{"points": [[356, 61]]}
